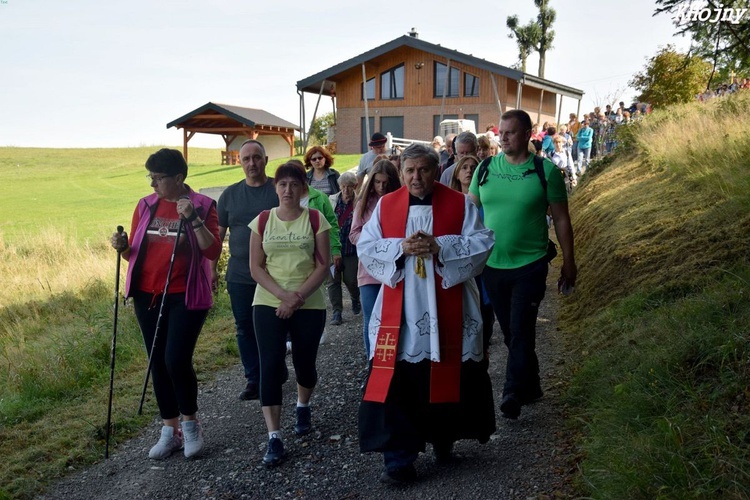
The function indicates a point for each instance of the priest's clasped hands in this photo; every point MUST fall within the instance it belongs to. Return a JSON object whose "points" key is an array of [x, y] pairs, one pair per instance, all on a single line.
{"points": [[420, 244]]}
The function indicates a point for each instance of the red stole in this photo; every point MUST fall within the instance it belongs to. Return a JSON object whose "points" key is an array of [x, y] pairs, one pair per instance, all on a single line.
{"points": [[445, 377]]}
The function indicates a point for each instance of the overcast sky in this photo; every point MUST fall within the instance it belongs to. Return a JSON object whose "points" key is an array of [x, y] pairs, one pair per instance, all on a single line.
{"points": [[95, 73]]}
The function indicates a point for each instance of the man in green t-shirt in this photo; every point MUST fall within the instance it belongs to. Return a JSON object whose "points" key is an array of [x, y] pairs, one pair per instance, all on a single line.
{"points": [[515, 207]]}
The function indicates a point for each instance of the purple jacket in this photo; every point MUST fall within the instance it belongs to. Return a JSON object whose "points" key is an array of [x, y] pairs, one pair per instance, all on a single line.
{"points": [[198, 294]]}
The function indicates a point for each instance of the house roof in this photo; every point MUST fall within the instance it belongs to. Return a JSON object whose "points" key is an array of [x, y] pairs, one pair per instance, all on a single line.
{"points": [[222, 116], [313, 83]]}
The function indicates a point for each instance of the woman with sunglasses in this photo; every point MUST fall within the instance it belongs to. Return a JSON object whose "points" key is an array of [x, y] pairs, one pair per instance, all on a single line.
{"points": [[320, 175]]}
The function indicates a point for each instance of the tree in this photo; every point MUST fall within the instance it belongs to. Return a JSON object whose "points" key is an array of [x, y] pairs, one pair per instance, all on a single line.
{"points": [[544, 20], [671, 78], [535, 35], [527, 38], [718, 32], [319, 129]]}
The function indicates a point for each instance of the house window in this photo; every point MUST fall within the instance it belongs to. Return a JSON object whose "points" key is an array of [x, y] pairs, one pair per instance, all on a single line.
{"points": [[370, 90], [392, 83], [471, 85], [392, 124], [440, 81]]}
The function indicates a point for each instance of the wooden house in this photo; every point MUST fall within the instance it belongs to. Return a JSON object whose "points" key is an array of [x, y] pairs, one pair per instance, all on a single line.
{"points": [[408, 86]]}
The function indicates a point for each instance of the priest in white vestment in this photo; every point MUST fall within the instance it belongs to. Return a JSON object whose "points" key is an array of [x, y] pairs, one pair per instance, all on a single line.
{"points": [[428, 380]]}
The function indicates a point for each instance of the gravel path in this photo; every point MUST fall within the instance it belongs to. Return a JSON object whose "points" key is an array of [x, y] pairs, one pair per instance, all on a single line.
{"points": [[525, 458]]}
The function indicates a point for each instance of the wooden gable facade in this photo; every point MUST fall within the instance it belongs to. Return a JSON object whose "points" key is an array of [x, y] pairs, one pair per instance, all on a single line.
{"points": [[412, 85]]}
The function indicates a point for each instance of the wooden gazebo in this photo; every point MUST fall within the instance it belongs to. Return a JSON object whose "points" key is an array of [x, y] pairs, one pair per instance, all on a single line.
{"points": [[232, 122]]}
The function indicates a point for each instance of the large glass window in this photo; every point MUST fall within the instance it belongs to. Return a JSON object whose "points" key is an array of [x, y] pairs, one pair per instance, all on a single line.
{"points": [[392, 83], [370, 90], [440, 80], [471, 85]]}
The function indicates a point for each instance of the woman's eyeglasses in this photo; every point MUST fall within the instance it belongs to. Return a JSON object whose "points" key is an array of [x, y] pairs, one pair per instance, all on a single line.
{"points": [[317, 158], [158, 178]]}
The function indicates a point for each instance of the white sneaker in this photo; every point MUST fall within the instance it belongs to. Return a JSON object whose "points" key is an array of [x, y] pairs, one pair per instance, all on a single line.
{"points": [[323, 338], [193, 436], [168, 443]]}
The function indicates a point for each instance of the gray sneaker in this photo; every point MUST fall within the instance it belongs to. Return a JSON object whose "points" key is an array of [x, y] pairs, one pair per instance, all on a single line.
{"points": [[168, 443], [193, 435]]}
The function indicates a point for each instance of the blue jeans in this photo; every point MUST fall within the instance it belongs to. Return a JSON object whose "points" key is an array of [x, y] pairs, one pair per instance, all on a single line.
{"points": [[241, 296], [584, 155], [367, 295], [515, 295]]}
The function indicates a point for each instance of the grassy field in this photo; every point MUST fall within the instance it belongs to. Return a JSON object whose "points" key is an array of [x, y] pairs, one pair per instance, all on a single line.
{"points": [[659, 326], [57, 270]]}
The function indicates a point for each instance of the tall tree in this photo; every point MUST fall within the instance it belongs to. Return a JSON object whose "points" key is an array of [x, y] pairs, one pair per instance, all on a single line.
{"points": [[535, 35], [527, 37], [671, 78], [544, 20], [319, 129], [720, 32]]}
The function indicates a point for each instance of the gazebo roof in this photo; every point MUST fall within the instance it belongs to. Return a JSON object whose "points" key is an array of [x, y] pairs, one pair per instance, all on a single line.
{"points": [[215, 118]]}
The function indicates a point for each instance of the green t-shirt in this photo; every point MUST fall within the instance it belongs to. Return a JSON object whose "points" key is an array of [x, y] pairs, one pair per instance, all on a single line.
{"points": [[289, 247], [515, 209]]}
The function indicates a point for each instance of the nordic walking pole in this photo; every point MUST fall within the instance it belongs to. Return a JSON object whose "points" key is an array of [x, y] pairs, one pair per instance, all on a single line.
{"points": [[158, 319], [114, 346]]}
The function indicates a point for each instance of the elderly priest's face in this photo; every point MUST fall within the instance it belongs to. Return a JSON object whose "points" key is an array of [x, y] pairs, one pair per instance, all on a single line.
{"points": [[419, 176]]}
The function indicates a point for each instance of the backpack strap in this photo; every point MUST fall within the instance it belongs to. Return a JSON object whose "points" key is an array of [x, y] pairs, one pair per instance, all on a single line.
{"points": [[539, 167], [484, 170], [262, 220]]}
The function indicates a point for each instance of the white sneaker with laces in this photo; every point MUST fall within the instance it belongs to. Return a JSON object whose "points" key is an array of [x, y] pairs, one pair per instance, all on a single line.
{"points": [[193, 436], [168, 443]]}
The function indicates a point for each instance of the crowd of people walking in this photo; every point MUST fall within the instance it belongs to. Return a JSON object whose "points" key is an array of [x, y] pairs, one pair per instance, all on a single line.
{"points": [[432, 246]]}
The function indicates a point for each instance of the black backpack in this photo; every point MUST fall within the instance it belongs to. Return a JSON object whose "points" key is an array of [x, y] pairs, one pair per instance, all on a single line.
{"points": [[484, 172]]}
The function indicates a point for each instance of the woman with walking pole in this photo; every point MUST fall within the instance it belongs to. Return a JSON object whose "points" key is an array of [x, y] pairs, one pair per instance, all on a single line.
{"points": [[173, 239]]}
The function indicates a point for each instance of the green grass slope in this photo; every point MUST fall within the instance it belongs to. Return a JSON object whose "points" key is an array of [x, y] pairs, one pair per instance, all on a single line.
{"points": [[659, 326]]}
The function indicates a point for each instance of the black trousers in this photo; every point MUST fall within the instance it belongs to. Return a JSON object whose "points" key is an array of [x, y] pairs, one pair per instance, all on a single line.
{"points": [[515, 295], [172, 373], [305, 327]]}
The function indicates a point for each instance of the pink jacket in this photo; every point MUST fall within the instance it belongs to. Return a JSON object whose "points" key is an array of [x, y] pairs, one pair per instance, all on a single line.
{"points": [[363, 277]]}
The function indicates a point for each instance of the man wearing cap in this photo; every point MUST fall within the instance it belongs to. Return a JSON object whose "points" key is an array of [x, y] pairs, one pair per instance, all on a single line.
{"points": [[377, 147]]}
